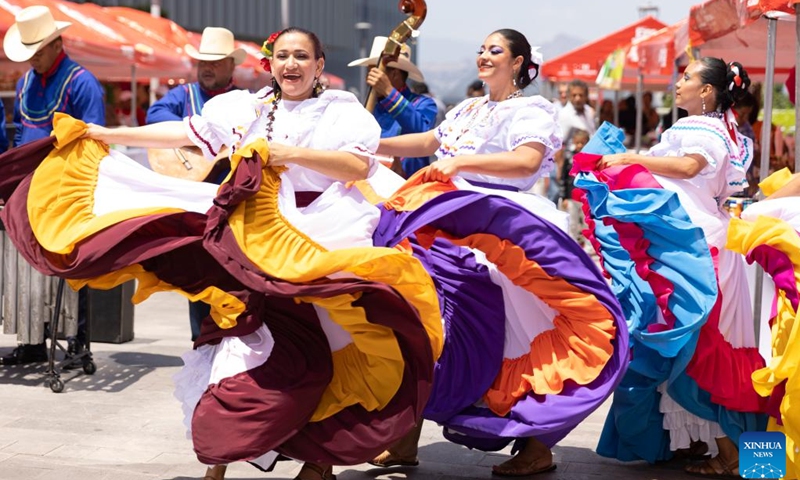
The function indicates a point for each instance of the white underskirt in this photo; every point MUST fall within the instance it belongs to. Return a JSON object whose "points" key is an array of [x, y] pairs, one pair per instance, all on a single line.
{"points": [[685, 427]]}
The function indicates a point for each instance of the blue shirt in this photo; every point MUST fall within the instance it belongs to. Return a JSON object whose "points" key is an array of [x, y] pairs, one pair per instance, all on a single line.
{"points": [[69, 89], [406, 112], [180, 102], [3, 136]]}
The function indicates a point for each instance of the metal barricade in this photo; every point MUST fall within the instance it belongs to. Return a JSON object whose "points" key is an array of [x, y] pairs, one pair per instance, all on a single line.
{"points": [[28, 298]]}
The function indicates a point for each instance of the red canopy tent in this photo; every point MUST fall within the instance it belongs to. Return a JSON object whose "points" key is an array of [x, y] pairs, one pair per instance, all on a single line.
{"points": [[778, 48], [584, 62], [754, 9], [657, 53], [724, 29], [102, 44], [101, 47]]}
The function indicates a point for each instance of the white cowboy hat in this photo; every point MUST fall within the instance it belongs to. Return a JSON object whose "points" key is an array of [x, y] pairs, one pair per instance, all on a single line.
{"points": [[403, 61], [215, 44], [33, 29]]}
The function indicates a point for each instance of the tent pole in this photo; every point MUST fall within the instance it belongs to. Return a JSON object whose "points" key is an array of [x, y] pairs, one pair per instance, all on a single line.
{"points": [[134, 102], [769, 84], [766, 137], [284, 14], [796, 89], [616, 107], [675, 70], [155, 11], [637, 142]]}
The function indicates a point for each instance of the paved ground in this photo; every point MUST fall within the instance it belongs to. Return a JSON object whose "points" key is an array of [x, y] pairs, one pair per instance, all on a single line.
{"points": [[122, 423]]}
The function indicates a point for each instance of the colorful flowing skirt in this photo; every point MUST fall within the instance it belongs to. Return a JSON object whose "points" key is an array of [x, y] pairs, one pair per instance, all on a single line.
{"points": [[665, 276], [534, 338], [337, 325], [769, 234], [313, 350]]}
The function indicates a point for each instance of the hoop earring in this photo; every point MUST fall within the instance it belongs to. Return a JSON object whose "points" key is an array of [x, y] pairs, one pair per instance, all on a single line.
{"points": [[704, 104]]}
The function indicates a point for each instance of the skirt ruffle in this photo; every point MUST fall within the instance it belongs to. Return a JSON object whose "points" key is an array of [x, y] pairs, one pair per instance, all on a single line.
{"points": [[307, 396], [664, 275], [550, 336], [769, 235]]}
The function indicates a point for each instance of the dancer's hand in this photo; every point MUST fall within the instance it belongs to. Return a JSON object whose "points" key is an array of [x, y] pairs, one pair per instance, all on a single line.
{"points": [[613, 160], [442, 170], [96, 132], [279, 154]]}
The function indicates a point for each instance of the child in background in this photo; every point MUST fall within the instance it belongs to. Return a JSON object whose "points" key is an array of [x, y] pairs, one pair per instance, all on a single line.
{"points": [[576, 220]]}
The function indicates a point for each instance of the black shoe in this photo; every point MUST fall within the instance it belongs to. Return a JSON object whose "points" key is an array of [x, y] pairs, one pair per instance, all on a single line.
{"points": [[25, 354], [74, 346]]}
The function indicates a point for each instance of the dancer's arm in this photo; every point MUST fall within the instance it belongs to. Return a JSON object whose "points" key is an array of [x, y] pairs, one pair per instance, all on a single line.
{"points": [[791, 189], [412, 145], [338, 164], [157, 135], [688, 166], [521, 162]]}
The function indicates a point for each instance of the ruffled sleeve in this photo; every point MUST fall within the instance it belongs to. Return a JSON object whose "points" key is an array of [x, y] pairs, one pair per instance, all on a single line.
{"points": [[709, 138], [221, 118], [350, 127], [534, 120]]}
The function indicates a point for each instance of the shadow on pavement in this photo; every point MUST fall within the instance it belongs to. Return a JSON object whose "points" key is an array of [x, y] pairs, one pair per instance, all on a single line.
{"points": [[115, 372]]}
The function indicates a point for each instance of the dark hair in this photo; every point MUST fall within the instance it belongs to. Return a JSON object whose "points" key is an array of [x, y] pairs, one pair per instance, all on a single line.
{"points": [[420, 88], [748, 100], [580, 133], [520, 47], [580, 84], [319, 52], [722, 77], [475, 85]]}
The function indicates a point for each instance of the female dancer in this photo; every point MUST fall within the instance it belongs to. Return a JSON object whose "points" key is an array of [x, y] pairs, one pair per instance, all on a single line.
{"points": [[321, 346], [528, 362], [769, 233], [694, 352]]}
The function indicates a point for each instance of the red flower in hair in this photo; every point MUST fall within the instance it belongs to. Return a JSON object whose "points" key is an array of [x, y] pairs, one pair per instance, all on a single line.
{"points": [[266, 50]]}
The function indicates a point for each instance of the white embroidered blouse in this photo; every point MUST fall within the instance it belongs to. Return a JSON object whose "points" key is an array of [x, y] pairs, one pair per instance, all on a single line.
{"points": [[481, 126], [333, 121]]}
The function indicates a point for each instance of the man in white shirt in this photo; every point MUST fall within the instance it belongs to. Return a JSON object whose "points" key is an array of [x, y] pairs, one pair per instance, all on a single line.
{"points": [[576, 114], [560, 101]]}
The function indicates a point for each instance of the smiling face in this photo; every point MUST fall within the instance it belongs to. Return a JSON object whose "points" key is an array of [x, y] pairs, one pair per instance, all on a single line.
{"points": [[690, 91], [496, 65], [294, 65]]}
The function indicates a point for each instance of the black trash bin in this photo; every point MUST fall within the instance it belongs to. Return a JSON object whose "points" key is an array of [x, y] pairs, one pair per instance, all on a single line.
{"points": [[110, 313]]}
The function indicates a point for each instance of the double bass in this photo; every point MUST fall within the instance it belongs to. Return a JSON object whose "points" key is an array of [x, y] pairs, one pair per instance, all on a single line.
{"points": [[416, 11]]}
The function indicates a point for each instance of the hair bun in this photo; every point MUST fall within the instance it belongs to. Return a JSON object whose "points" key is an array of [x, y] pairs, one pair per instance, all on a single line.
{"points": [[737, 80]]}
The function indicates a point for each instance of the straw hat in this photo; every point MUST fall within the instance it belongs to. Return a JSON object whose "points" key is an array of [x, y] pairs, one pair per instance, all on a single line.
{"points": [[33, 29], [403, 61], [215, 44]]}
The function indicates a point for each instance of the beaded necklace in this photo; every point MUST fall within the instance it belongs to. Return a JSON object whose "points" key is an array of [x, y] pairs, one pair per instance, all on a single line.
{"points": [[714, 114], [477, 118]]}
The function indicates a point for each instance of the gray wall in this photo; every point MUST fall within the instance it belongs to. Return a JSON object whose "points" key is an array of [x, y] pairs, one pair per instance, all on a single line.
{"points": [[332, 20]]}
